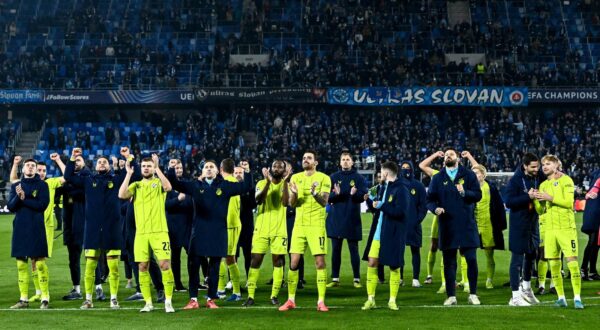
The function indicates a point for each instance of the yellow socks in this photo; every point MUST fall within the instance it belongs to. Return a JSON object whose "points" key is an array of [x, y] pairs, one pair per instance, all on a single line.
{"points": [[491, 265], [372, 281], [234, 273], [89, 277], [113, 277], [321, 283], [292, 283], [430, 262], [222, 275], [42, 270], [253, 274], [145, 287], [394, 283], [557, 277], [277, 279], [168, 282], [575, 277], [23, 277], [542, 271], [463, 269]]}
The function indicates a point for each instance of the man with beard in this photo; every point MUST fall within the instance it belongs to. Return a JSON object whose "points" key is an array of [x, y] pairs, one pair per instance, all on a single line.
{"points": [[270, 231], [452, 196], [211, 195], [309, 194], [103, 226], [555, 198], [418, 205], [343, 220], [152, 234], [523, 229], [29, 199]]}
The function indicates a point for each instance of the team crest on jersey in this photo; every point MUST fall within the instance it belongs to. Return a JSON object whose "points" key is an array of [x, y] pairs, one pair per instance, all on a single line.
{"points": [[94, 184], [352, 183], [413, 191], [390, 198], [556, 183], [154, 185], [461, 181], [219, 192], [110, 184], [202, 191], [445, 183], [34, 193]]}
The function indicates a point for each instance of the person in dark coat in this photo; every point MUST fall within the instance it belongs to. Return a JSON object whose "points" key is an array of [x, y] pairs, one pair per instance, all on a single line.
{"points": [[211, 194], [452, 196], [343, 219], [103, 226], [491, 221], [523, 228], [389, 240], [591, 226], [29, 199], [375, 191], [73, 224], [180, 212], [248, 204], [418, 204]]}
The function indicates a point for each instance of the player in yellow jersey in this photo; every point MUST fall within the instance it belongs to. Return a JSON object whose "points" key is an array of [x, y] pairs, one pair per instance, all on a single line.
{"points": [[234, 228], [152, 233], [49, 218], [309, 194], [270, 230], [555, 199]]}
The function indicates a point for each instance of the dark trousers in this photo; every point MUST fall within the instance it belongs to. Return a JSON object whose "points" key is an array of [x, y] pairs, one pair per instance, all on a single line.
{"points": [[470, 255], [415, 252], [246, 246], [520, 265], [213, 275], [336, 256], [590, 254], [176, 265]]}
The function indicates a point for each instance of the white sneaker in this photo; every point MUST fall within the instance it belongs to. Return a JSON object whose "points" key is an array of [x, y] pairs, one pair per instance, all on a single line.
{"points": [[114, 304], [529, 296], [450, 301], [474, 300], [416, 284], [518, 302], [229, 286], [169, 307], [147, 309]]}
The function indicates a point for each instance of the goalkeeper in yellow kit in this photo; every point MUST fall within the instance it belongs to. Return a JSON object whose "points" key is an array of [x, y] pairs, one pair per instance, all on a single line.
{"points": [[554, 200]]}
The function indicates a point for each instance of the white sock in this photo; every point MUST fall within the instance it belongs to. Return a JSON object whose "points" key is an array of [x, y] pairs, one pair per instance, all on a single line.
{"points": [[562, 297], [77, 288], [38, 292], [371, 298], [195, 299], [167, 301], [88, 296], [336, 279], [516, 294], [392, 300], [526, 285], [113, 296], [99, 286], [357, 280], [577, 297]]}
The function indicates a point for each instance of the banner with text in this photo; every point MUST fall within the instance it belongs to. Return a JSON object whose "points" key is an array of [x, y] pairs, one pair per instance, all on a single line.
{"points": [[564, 95], [260, 95], [429, 96]]}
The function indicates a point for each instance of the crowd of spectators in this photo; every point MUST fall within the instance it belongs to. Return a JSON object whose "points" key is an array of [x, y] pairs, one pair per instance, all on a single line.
{"points": [[497, 138], [322, 43]]}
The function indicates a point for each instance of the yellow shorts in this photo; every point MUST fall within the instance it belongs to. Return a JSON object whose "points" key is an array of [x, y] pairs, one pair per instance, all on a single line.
{"points": [[50, 239], [434, 228], [233, 237], [157, 242], [261, 244], [92, 253], [557, 240], [487, 238], [315, 237], [374, 250]]}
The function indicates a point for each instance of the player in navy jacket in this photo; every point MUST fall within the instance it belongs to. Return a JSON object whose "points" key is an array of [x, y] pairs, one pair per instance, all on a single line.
{"points": [[418, 204], [211, 194], [29, 199], [452, 196], [343, 220]]}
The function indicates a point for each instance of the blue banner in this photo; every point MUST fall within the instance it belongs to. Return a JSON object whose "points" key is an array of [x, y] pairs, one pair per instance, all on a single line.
{"points": [[564, 95], [428, 96], [8, 96]]}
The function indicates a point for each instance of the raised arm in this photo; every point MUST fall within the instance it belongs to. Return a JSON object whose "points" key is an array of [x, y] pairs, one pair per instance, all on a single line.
{"points": [[166, 185], [124, 192], [178, 185], [70, 176], [469, 157], [14, 171], [472, 188], [425, 165]]}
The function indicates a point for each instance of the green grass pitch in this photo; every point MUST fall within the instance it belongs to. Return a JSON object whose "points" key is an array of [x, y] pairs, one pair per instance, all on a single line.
{"points": [[419, 308]]}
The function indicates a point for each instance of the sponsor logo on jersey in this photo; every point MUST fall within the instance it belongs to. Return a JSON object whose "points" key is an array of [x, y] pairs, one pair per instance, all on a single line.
{"points": [[390, 198], [34, 193], [110, 185], [219, 192], [352, 183], [413, 191]]}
